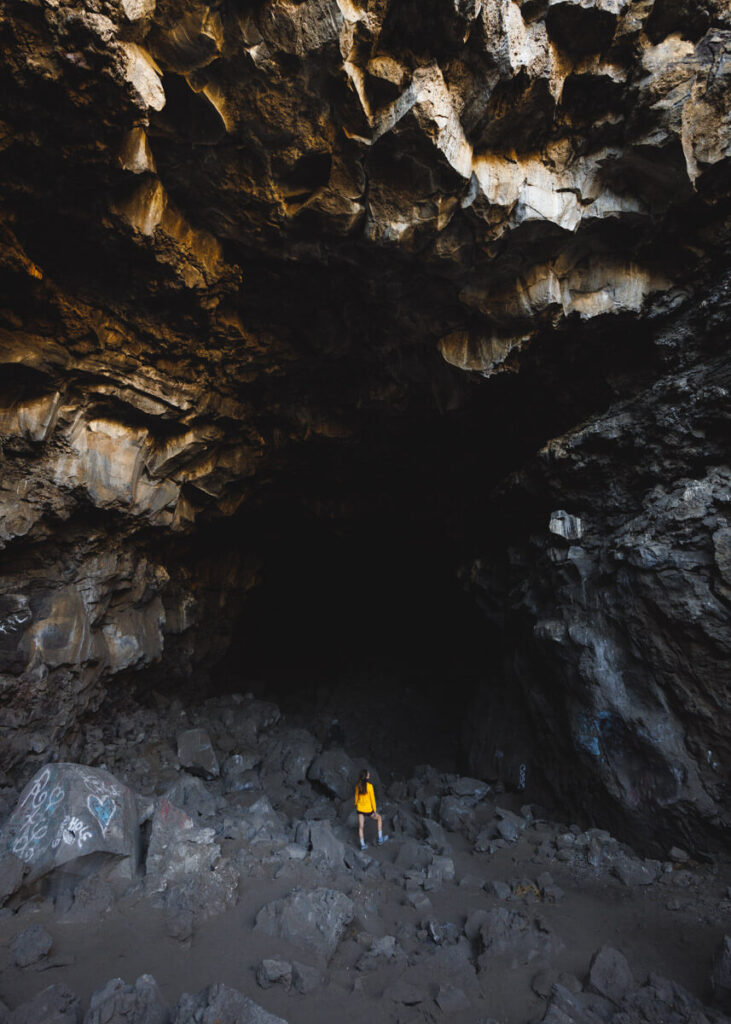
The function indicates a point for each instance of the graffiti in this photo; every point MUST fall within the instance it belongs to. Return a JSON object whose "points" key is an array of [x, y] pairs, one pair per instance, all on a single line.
{"points": [[33, 815], [98, 786], [102, 809], [72, 831], [14, 623], [591, 733]]}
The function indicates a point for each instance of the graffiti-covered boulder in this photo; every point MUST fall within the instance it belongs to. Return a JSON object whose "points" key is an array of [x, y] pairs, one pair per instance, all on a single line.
{"points": [[69, 811]]}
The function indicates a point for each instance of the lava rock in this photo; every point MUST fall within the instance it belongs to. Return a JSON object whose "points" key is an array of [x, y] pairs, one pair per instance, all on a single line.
{"points": [[68, 811], [500, 889], [334, 770], [315, 919], [325, 846], [274, 972], [305, 978], [31, 945], [631, 871], [177, 848], [195, 751], [610, 975], [220, 1004], [118, 1003]]}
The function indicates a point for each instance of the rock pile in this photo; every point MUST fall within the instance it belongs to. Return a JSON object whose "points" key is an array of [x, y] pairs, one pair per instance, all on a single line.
{"points": [[431, 921]]}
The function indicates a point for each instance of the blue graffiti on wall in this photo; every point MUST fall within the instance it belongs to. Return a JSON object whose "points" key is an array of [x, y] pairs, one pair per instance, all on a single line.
{"points": [[591, 732]]}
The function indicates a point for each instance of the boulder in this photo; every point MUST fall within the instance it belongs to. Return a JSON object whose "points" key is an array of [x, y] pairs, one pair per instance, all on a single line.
{"points": [[384, 950], [334, 770], [69, 811], [177, 848], [632, 871], [315, 919], [326, 848], [56, 1004], [513, 933], [475, 789], [220, 1004], [610, 974], [565, 1007], [291, 752], [261, 823], [195, 751], [660, 1001], [31, 945], [118, 1003], [190, 794], [456, 814]]}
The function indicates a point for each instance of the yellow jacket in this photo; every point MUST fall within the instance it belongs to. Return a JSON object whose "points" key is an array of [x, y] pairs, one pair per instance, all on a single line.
{"points": [[365, 803]]}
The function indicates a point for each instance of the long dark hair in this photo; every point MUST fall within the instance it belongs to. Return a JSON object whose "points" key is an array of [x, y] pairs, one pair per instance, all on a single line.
{"points": [[363, 781]]}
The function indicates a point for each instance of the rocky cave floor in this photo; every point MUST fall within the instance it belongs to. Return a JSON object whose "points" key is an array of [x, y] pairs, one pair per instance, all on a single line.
{"points": [[254, 895]]}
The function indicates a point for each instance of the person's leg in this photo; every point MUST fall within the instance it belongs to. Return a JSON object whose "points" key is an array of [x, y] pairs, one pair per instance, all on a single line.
{"points": [[361, 821], [379, 822]]}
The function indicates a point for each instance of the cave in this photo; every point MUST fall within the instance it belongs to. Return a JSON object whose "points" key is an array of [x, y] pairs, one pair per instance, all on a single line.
{"points": [[364, 400]]}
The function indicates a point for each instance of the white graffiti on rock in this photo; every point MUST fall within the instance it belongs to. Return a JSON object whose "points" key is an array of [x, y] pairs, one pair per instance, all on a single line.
{"points": [[15, 622], [35, 812]]}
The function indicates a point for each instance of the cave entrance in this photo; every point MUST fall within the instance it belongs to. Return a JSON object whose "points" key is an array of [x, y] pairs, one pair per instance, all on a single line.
{"points": [[360, 614], [366, 624]]}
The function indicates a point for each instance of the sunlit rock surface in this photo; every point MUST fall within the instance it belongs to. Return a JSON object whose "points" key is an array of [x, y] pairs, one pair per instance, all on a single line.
{"points": [[234, 235]]}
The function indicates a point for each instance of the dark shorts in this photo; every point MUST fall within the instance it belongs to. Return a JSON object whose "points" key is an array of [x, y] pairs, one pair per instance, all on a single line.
{"points": [[368, 814]]}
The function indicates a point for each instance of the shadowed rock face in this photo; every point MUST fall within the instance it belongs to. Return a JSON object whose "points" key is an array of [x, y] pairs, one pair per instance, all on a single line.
{"points": [[275, 255]]}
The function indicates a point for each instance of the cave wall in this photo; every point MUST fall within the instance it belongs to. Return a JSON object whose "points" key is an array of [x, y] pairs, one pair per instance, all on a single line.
{"points": [[613, 600], [237, 234]]}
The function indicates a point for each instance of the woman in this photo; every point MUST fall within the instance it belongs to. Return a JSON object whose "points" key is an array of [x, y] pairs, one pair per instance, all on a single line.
{"points": [[365, 805]]}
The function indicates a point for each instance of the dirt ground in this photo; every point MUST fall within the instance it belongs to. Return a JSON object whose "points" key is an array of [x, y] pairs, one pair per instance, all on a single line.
{"points": [[671, 927]]}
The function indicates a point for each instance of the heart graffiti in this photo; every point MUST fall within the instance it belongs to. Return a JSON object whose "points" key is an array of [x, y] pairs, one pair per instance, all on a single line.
{"points": [[102, 809]]}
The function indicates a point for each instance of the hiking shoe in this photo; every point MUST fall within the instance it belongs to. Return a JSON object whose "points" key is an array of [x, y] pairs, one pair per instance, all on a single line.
{"points": [[364, 846], [382, 840]]}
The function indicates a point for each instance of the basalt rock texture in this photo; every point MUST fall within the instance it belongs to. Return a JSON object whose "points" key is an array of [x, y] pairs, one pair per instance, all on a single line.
{"points": [[236, 236], [616, 602]]}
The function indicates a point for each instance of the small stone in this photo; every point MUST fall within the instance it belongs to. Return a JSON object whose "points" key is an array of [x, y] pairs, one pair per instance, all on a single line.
{"points": [[508, 831], [542, 984], [274, 972], [470, 882], [31, 945], [679, 855], [631, 871], [305, 978], [420, 902], [500, 889]]}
